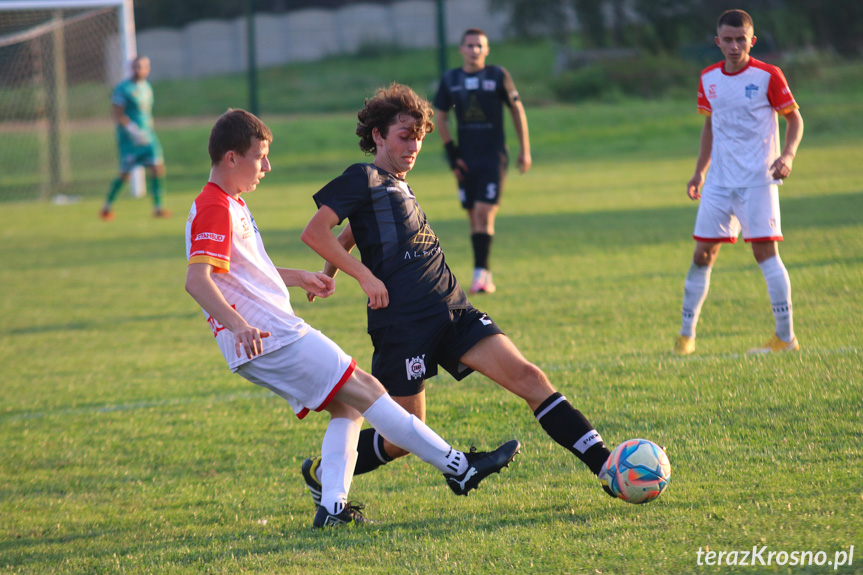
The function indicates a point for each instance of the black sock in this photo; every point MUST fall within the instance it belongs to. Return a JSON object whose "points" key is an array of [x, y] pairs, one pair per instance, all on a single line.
{"points": [[568, 427], [370, 452], [481, 250]]}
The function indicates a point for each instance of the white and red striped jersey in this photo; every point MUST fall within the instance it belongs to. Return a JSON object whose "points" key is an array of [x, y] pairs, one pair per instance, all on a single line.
{"points": [[220, 231], [744, 108]]}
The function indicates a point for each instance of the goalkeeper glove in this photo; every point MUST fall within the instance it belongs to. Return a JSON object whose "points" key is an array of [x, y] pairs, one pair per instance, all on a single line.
{"points": [[139, 137]]}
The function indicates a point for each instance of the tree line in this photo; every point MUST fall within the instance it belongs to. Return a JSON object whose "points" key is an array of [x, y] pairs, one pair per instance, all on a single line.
{"points": [[668, 26]]}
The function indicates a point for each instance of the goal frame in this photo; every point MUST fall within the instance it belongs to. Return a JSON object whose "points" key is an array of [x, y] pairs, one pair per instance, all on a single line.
{"points": [[128, 46]]}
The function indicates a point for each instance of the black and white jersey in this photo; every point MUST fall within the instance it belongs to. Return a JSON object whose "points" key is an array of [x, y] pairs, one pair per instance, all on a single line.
{"points": [[396, 243], [478, 100]]}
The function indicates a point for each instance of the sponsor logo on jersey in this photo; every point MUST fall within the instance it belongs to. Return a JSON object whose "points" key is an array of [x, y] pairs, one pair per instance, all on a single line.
{"points": [[485, 320], [711, 91], [409, 255], [751, 91], [471, 83], [416, 367], [210, 236]]}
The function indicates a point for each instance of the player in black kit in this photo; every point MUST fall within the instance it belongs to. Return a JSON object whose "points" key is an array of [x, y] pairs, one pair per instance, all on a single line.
{"points": [[418, 316], [479, 159]]}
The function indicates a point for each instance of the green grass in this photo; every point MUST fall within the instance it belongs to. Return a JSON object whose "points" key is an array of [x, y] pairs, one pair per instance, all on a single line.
{"points": [[338, 85], [128, 447]]}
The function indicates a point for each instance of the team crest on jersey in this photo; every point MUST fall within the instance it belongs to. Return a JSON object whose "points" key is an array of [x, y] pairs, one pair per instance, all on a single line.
{"points": [[416, 367], [489, 85], [711, 91], [471, 83], [247, 229], [401, 188], [751, 91]]}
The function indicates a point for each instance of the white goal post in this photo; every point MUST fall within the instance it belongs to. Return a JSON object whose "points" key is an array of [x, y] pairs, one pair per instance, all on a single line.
{"points": [[59, 60]]}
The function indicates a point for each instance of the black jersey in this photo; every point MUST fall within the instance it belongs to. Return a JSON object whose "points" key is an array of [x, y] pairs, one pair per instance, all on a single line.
{"points": [[478, 100], [396, 243]]}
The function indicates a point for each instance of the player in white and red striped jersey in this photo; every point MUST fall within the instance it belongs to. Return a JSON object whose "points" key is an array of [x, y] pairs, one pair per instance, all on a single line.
{"points": [[246, 302], [742, 99]]}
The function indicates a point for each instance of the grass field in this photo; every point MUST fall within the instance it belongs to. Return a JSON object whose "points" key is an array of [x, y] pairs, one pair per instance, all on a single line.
{"points": [[128, 447]]}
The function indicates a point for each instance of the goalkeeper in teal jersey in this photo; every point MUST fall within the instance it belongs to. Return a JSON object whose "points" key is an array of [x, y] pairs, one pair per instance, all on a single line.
{"points": [[137, 143]]}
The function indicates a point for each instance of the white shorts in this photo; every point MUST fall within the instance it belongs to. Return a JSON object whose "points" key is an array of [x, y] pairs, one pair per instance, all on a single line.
{"points": [[307, 373], [724, 212]]}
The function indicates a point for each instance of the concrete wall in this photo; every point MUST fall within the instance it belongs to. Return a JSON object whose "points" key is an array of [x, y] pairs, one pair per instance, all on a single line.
{"points": [[211, 47]]}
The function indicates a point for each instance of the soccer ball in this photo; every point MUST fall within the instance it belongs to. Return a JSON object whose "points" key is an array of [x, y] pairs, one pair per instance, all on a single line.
{"points": [[638, 471]]}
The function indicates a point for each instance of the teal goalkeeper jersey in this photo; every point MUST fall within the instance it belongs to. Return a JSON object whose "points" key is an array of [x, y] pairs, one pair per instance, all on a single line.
{"points": [[136, 99]]}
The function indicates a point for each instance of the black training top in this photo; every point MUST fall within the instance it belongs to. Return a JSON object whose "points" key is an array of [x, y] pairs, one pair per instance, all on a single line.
{"points": [[396, 243], [478, 99]]}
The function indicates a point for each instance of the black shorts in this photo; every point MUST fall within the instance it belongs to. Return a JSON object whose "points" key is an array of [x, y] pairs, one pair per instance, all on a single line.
{"points": [[482, 183], [407, 354]]}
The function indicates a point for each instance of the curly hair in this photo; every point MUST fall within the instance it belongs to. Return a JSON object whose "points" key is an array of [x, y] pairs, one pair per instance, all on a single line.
{"points": [[385, 108]]}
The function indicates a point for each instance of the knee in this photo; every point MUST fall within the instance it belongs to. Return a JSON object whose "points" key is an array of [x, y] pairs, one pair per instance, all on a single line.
{"points": [[395, 452], [704, 258], [531, 383]]}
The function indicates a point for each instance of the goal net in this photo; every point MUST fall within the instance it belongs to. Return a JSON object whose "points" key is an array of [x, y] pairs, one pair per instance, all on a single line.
{"points": [[58, 63]]}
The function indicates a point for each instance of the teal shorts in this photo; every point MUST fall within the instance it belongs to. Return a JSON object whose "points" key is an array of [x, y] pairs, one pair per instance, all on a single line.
{"points": [[149, 154]]}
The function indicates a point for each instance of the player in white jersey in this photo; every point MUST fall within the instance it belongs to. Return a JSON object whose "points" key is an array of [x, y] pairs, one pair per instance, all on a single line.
{"points": [[740, 144], [246, 302]]}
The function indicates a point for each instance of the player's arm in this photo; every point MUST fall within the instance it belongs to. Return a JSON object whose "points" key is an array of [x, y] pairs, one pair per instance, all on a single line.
{"points": [[705, 148], [204, 290], [317, 284], [318, 235], [793, 134], [346, 238], [519, 120], [456, 163], [118, 114]]}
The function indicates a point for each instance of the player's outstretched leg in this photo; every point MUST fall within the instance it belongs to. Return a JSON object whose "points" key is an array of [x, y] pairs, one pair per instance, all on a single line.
{"points": [[481, 464], [352, 513], [569, 428], [309, 471], [604, 479], [408, 432]]}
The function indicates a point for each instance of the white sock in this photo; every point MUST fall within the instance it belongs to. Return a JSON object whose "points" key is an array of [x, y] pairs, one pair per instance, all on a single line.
{"points": [[694, 294], [408, 432], [779, 290], [338, 458]]}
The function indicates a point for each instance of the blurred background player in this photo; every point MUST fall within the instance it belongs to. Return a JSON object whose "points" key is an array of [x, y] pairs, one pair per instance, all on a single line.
{"points": [[479, 159], [419, 318], [247, 305], [740, 144], [137, 143]]}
